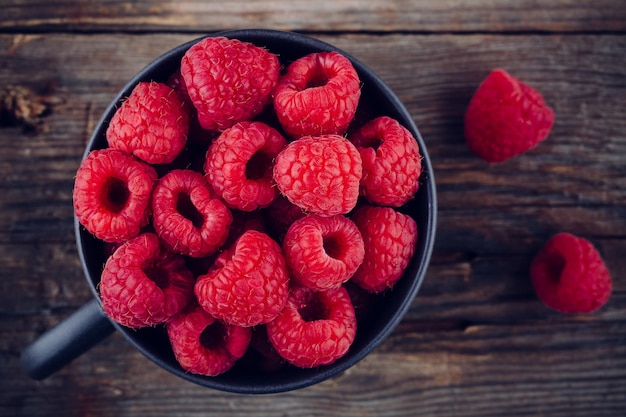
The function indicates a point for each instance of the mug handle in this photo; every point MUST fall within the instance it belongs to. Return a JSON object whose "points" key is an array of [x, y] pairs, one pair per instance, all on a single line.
{"points": [[69, 339]]}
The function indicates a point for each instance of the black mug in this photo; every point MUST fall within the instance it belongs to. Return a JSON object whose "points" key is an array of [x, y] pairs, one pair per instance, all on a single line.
{"points": [[89, 325]]}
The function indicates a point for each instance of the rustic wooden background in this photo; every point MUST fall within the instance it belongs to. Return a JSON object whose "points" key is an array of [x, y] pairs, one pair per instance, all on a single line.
{"points": [[476, 341]]}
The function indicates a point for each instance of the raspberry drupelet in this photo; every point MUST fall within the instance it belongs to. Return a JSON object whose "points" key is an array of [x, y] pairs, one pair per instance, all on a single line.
{"points": [[112, 194]]}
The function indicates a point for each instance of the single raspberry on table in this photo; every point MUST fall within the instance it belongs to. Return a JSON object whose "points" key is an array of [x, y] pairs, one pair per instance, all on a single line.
{"points": [[204, 345], [228, 80], [389, 237], [248, 284], [143, 284], [188, 216], [151, 124], [320, 174], [570, 276], [318, 95], [315, 328], [112, 194], [391, 161], [505, 118], [239, 164], [323, 252]]}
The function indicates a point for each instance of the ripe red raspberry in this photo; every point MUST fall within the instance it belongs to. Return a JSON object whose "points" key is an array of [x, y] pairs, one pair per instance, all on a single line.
{"points": [[320, 174], [390, 238], [151, 124], [228, 80], [144, 284], [242, 222], [248, 284], [188, 216], [506, 118], [570, 276], [112, 193], [391, 162], [315, 328], [280, 215], [318, 95], [204, 345], [239, 164], [323, 252]]}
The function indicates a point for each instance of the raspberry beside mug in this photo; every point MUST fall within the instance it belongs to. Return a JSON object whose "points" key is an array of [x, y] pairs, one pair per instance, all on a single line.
{"points": [[88, 326]]}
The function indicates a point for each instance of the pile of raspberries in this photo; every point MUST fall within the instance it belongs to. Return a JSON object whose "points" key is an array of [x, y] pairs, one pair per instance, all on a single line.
{"points": [[251, 242]]}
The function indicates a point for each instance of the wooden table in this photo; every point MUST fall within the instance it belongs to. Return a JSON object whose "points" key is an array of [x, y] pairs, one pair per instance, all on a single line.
{"points": [[476, 341]]}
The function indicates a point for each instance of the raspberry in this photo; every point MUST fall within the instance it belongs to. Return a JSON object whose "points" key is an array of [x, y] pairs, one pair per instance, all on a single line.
{"points": [[112, 193], [320, 174], [239, 164], [390, 238], [228, 80], [143, 284], [248, 284], [280, 215], [315, 328], [323, 252], [203, 345], [242, 222], [570, 276], [151, 124], [187, 214], [505, 118], [175, 82], [318, 95], [391, 162]]}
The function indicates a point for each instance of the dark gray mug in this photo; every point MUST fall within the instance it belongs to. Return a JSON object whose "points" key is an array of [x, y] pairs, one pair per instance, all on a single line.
{"points": [[88, 326]]}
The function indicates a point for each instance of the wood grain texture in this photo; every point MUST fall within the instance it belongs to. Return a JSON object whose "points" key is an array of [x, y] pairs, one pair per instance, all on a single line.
{"points": [[303, 15], [475, 342]]}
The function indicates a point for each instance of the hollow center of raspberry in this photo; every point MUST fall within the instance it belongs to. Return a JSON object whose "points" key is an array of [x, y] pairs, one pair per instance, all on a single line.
{"points": [[188, 210], [375, 143], [213, 335], [258, 166], [554, 267], [157, 274], [317, 80], [115, 195], [313, 309], [332, 246]]}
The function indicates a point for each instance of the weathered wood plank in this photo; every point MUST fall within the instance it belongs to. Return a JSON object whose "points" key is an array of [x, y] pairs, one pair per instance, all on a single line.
{"points": [[574, 180], [476, 341], [529, 369], [302, 15]]}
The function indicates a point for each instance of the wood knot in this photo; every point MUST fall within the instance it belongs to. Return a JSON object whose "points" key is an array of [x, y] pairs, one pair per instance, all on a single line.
{"points": [[21, 106]]}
